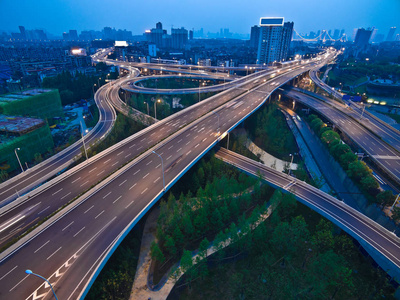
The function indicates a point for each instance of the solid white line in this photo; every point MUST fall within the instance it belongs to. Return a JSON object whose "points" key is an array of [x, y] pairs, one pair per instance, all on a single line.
{"points": [[76, 180], [57, 191], [18, 283], [68, 225], [88, 209], [53, 253], [99, 214], [123, 182], [8, 272], [107, 195], [65, 195], [117, 199], [79, 231], [144, 191]]}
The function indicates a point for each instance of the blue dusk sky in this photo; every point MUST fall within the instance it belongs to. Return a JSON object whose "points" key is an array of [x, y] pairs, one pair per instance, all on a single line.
{"points": [[57, 16]]}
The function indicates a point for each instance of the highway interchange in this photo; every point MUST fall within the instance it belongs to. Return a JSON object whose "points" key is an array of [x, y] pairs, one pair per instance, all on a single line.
{"points": [[115, 206]]}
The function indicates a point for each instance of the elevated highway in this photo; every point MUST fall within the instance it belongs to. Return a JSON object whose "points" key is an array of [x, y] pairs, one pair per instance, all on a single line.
{"points": [[72, 247]]}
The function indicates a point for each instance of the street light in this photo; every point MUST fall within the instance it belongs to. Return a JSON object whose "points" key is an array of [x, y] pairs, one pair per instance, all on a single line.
{"points": [[93, 88], [16, 154], [29, 272], [162, 168], [215, 113], [155, 108], [148, 111], [83, 141]]}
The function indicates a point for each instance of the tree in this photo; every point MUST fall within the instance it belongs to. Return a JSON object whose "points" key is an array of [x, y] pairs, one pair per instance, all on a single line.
{"points": [[386, 198], [156, 252], [323, 237], [187, 267], [331, 138], [170, 246], [358, 170], [370, 185]]}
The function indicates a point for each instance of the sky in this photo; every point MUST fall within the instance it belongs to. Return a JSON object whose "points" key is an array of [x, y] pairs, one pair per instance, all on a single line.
{"points": [[57, 16]]}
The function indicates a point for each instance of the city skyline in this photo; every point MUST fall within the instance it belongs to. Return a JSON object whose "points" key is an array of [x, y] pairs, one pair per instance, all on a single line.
{"points": [[57, 17]]}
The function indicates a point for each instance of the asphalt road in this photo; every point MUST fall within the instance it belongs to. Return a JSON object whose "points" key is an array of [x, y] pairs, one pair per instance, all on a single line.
{"points": [[35, 176], [70, 249], [354, 223], [386, 156]]}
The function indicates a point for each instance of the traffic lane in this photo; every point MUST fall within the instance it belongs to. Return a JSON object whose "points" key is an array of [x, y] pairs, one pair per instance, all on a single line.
{"points": [[46, 203], [366, 140], [9, 190], [381, 239], [104, 193]]}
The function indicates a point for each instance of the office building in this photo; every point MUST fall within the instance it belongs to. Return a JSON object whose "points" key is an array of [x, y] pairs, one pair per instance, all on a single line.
{"points": [[73, 35], [254, 36], [275, 38], [362, 37], [390, 36], [179, 37]]}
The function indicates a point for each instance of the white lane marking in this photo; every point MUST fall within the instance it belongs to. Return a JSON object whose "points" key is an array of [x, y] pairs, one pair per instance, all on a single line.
{"points": [[84, 183], [100, 173], [79, 231], [8, 272], [136, 172], [107, 161], [129, 204], [76, 180], [128, 155], [171, 147], [149, 163], [139, 148], [132, 146], [132, 186], [196, 145], [146, 175], [54, 253], [153, 133], [157, 179], [158, 166], [187, 143], [44, 210], [204, 140], [38, 249], [18, 283], [188, 135], [189, 152], [179, 150], [88, 209], [65, 195], [169, 157], [117, 199], [120, 153], [114, 164], [92, 169], [57, 192], [123, 182], [107, 195], [179, 141], [144, 191], [99, 214], [142, 139], [67, 226]]}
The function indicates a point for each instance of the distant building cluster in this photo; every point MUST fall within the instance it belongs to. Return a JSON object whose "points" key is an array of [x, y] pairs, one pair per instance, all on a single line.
{"points": [[176, 40]]}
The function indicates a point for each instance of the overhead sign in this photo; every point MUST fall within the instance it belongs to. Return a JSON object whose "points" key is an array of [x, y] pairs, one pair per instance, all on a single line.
{"points": [[121, 44]]}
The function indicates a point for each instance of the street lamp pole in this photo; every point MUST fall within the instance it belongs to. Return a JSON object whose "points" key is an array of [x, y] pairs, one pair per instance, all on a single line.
{"points": [[83, 141], [155, 108], [215, 113], [162, 168], [16, 154], [394, 203], [29, 272], [148, 111]]}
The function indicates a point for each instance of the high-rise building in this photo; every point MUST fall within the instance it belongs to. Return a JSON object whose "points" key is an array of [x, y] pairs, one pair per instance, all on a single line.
{"points": [[190, 34], [23, 32], [108, 33], [275, 38], [155, 35], [362, 37], [390, 35], [336, 34], [179, 37], [254, 36], [73, 35], [379, 38], [159, 25]]}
